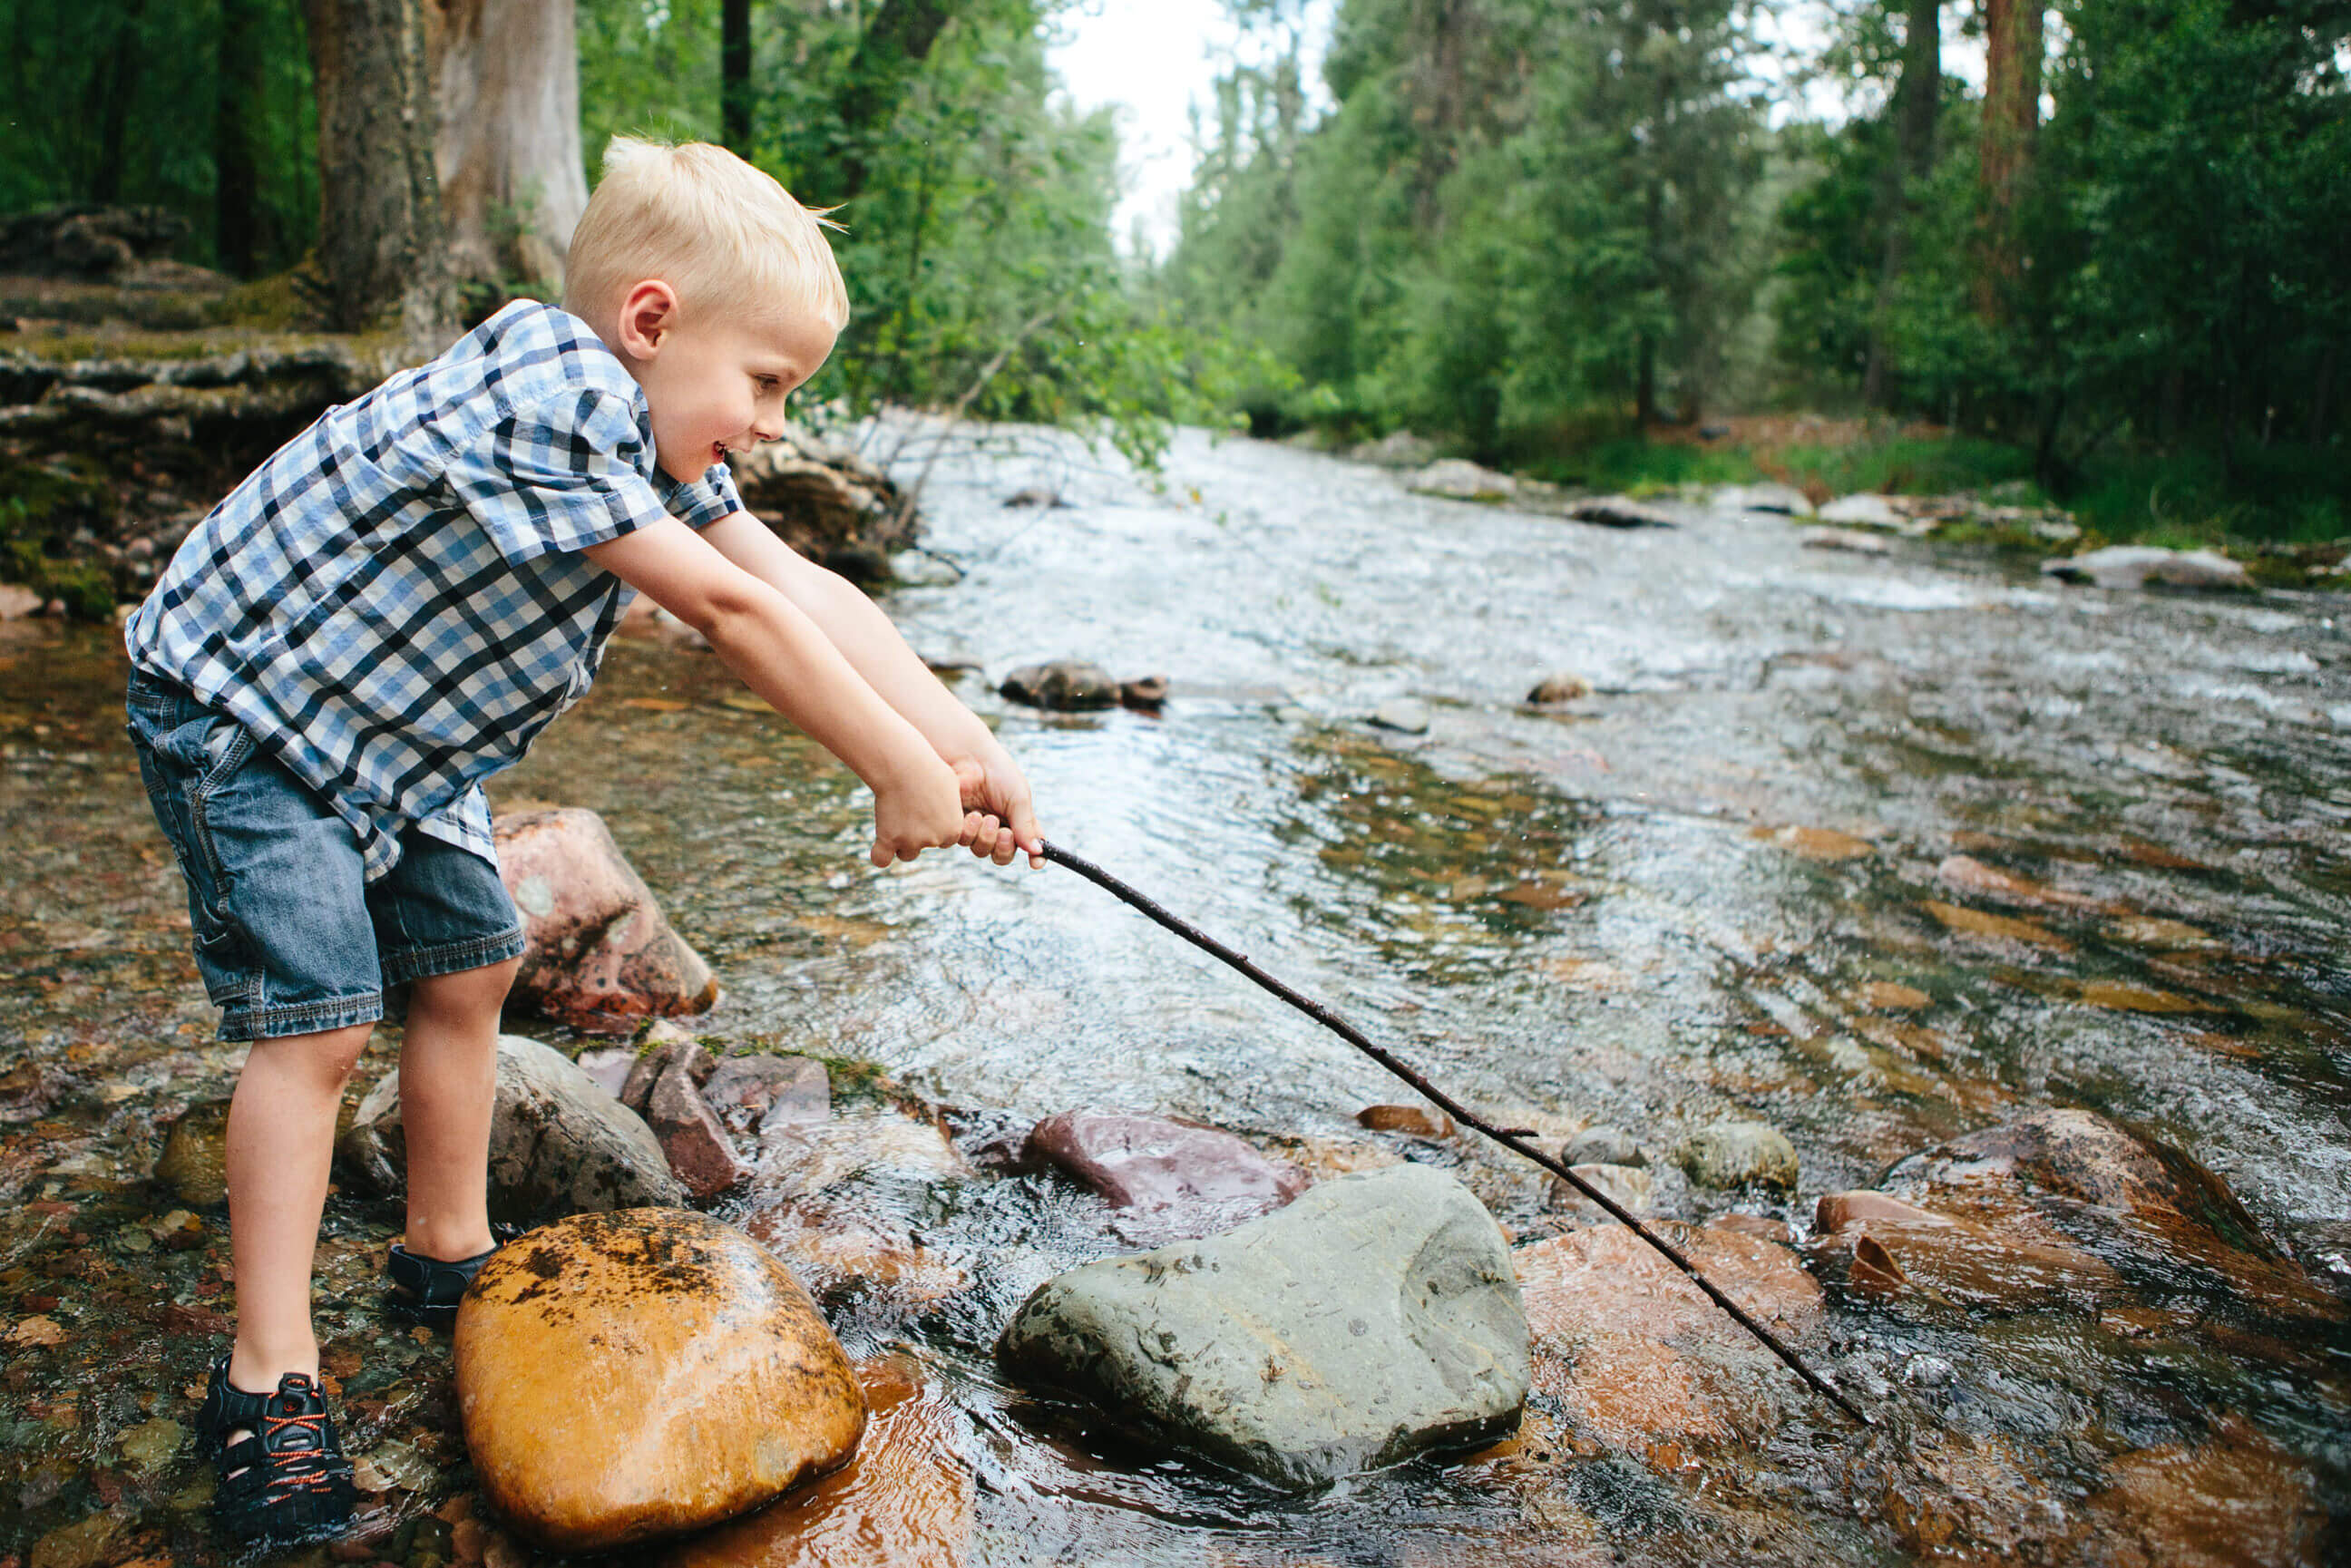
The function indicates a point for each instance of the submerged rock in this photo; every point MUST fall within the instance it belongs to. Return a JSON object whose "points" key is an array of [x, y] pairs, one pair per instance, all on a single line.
{"points": [[1621, 512], [1413, 1120], [194, 1161], [628, 1377], [1737, 1155], [1864, 511], [558, 1144], [1639, 1359], [1189, 1180], [2071, 1179], [600, 955], [1604, 1146], [904, 1500], [1884, 1247], [1626, 1187], [2137, 566], [1065, 684], [1407, 716], [1764, 497], [1561, 686], [1375, 1318], [749, 1091], [1458, 479], [1850, 540]]}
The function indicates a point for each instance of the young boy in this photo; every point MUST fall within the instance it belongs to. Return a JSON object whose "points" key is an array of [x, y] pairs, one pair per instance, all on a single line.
{"points": [[383, 616]]}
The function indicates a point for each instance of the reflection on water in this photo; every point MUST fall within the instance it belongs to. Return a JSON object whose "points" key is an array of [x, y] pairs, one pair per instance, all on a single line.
{"points": [[1583, 914]]}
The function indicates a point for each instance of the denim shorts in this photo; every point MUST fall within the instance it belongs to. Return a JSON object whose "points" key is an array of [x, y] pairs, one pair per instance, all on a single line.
{"points": [[289, 937]]}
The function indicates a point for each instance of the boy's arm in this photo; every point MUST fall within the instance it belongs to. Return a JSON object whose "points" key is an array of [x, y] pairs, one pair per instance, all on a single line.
{"points": [[795, 666], [992, 780]]}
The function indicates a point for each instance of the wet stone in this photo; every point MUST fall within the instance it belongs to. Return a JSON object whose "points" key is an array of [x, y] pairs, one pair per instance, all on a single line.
{"points": [[194, 1161], [662, 1047], [1604, 1146], [670, 1347], [1407, 716], [601, 957], [1560, 686], [691, 1138], [1731, 1155], [1188, 1180], [1374, 1318], [749, 1090], [1629, 1189], [559, 1145], [905, 1500], [1414, 1120], [1066, 684]]}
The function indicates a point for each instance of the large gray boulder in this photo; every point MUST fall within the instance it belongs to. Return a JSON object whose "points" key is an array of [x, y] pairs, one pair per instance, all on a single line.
{"points": [[1374, 1318], [2136, 566], [558, 1144]]}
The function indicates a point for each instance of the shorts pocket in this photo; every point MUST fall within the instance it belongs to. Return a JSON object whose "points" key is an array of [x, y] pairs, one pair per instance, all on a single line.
{"points": [[183, 765]]}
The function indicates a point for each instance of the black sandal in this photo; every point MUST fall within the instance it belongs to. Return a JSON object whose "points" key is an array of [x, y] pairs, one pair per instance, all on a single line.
{"points": [[287, 1480], [427, 1290]]}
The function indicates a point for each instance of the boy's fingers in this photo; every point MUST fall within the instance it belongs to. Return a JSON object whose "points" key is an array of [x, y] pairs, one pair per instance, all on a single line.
{"points": [[881, 855]]}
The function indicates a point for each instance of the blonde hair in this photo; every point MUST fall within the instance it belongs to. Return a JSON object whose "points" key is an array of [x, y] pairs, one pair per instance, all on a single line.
{"points": [[724, 236]]}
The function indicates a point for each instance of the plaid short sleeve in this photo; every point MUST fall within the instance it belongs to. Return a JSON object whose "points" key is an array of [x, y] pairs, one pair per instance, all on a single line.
{"points": [[706, 500], [561, 473]]}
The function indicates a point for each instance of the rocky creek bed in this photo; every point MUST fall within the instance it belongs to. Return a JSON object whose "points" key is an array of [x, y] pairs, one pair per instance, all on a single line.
{"points": [[2012, 910]]}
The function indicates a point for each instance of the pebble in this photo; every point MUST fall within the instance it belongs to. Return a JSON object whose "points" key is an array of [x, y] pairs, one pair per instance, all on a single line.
{"points": [[1406, 715], [1738, 1154]]}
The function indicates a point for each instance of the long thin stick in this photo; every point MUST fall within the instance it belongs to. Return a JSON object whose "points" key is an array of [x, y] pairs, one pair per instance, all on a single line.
{"points": [[1508, 1140]]}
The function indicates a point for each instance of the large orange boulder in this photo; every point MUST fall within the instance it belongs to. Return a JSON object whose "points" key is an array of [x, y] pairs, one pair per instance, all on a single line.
{"points": [[601, 956], [634, 1375]]}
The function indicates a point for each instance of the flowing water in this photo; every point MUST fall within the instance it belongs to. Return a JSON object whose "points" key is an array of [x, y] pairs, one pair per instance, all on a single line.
{"points": [[1657, 906]]}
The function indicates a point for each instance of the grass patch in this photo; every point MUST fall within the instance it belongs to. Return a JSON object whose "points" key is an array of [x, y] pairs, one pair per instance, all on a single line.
{"points": [[1635, 466], [1910, 466]]}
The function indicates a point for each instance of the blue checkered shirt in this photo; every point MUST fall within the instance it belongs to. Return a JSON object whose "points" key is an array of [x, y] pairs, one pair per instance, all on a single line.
{"points": [[395, 603]]}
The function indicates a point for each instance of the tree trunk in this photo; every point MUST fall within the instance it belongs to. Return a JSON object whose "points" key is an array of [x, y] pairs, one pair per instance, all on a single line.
{"points": [[895, 45], [1916, 101], [735, 75], [512, 186], [121, 78], [380, 234], [238, 215], [2012, 114], [2322, 392], [1645, 384]]}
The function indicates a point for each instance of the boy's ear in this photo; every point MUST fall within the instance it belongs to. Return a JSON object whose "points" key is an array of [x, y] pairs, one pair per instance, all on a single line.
{"points": [[648, 316]]}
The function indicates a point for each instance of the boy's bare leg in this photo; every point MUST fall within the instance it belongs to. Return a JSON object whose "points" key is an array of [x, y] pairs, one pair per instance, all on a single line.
{"points": [[448, 1078], [281, 1141]]}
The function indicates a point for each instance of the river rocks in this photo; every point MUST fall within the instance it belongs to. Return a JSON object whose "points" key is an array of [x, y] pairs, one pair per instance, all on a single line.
{"points": [[1042, 496], [1639, 1359], [834, 1246], [2139, 566], [1621, 512], [1604, 1146], [1818, 843], [692, 1140], [1738, 1154], [1457, 479], [627, 1376], [2071, 1179], [558, 1144], [1764, 497], [1850, 540], [1396, 449], [1412, 1120], [1628, 1188], [1374, 1318], [194, 1161], [1884, 1247], [1065, 685], [873, 1145], [903, 1501], [1187, 1180], [1407, 716], [601, 956], [1862, 511], [1971, 875], [749, 1091], [664, 1046], [825, 501], [1560, 686]]}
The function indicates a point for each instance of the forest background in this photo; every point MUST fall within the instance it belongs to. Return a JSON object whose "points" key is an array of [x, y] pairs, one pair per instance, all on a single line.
{"points": [[1566, 239]]}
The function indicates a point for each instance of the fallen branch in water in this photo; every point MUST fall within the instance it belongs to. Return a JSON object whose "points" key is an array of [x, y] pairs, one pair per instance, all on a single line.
{"points": [[1511, 1138]]}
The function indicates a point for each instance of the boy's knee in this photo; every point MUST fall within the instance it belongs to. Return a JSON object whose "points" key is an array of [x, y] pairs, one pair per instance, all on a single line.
{"points": [[466, 990], [330, 1056]]}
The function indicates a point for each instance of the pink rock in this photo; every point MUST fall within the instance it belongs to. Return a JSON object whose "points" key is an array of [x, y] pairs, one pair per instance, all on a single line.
{"points": [[699, 1155], [749, 1092], [601, 956], [1193, 1181], [608, 1066], [664, 1046]]}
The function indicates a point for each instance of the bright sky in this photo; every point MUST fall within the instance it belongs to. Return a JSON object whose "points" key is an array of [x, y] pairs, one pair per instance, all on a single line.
{"points": [[1156, 58]]}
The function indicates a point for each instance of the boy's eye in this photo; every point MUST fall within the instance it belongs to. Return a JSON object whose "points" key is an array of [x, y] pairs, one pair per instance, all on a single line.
{"points": [[770, 383]]}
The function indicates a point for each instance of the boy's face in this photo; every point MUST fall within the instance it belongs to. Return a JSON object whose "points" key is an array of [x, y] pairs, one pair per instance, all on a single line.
{"points": [[714, 384]]}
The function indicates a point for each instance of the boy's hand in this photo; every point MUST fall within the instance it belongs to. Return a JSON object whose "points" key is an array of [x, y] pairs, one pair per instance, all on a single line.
{"points": [[922, 810], [999, 820]]}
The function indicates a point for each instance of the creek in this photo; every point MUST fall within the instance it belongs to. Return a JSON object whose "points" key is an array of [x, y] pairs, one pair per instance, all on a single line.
{"points": [[1683, 898]]}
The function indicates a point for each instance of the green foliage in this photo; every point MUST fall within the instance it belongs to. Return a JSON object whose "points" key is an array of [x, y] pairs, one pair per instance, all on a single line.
{"points": [[1516, 214], [128, 101]]}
